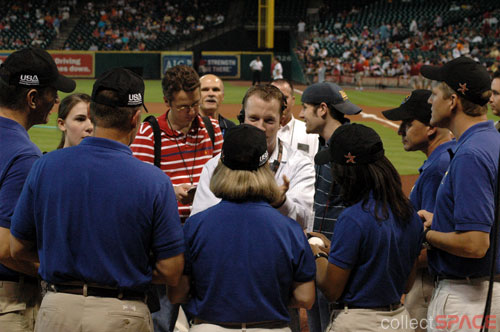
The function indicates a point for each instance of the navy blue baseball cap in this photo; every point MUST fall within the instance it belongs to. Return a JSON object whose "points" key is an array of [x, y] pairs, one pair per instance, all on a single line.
{"points": [[128, 86], [33, 67], [414, 107], [244, 148], [352, 144], [331, 94], [465, 76]]}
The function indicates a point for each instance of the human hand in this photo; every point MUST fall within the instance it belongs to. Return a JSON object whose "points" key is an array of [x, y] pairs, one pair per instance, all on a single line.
{"points": [[181, 193], [283, 189], [326, 241], [426, 217]]}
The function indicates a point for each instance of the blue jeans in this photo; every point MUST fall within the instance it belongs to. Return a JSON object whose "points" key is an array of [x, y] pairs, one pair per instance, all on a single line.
{"points": [[318, 317], [164, 320]]}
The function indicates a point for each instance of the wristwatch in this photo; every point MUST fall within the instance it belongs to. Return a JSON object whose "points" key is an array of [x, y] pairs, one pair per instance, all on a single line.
{"points": [[426, 243], [320, 254]]}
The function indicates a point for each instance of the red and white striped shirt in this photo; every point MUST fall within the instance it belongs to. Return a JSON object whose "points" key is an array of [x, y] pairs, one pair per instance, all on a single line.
{"points": [[182, 155]]}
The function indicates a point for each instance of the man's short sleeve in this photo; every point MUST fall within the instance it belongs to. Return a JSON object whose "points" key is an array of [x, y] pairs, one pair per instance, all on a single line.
{"points": [[474, 207], [168, 238], [11, 186], [23, 220]]}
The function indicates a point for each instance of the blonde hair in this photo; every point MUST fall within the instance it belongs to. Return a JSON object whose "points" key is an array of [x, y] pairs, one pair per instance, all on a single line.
{"points": [[240, 185], [468, 107]]}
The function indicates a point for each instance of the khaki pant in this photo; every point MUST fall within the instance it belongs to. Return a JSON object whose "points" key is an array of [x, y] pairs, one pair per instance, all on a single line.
{"points": [[217, 328], [19, 303], [368, 320], [458, 305], [418, 299], [61, 312]]}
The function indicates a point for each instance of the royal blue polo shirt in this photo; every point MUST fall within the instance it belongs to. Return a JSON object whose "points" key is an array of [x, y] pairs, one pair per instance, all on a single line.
{"points": [[17, 155], [466, 199], [95, 213], [243, 259], [380, 254], [423, 194]]}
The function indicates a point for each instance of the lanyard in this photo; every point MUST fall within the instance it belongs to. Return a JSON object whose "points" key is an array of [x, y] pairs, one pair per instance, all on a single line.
{"points": [[276, 163]]}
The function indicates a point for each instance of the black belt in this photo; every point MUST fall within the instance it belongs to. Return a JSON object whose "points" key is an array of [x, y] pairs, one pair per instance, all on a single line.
{"points": [[275, 324], [95, 290], [25, 279], [389, 307], [438, 278]]}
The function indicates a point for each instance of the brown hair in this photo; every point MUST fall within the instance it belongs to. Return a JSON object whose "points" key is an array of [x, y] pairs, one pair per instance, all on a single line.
{"points": [[241, 186], [266, 92], [66, 106], [468, 107], [179, 78]]}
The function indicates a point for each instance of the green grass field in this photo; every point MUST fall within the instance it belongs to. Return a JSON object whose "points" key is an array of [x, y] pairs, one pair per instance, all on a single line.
{"points": [[47, 137]]}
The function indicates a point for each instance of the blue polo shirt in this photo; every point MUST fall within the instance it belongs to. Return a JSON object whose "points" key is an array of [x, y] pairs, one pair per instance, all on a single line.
{"points": [[95, 212], [243, 259], [17, 155], [466, 199], [380, 254], [423, 194]]}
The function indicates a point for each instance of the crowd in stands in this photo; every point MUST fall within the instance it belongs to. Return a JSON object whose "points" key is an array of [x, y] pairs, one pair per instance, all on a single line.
{"points": [[399, 47], [32, 24], [142, 25]]}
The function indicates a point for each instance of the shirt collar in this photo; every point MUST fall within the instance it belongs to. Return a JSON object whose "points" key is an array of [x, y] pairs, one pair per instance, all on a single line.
{"points": [[289, 125], [478, 127], [13, 125], [274, 155], [163, 124], [436, 154], [106, 143]]}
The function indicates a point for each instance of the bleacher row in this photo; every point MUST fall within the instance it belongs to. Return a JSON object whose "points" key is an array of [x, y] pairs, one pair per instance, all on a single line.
{"points": [[392, 38], [108, 25], [24, 23]]}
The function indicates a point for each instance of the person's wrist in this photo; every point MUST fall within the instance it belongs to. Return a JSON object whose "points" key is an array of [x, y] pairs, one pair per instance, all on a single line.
{"points": [[320, 254], [425, 243]]}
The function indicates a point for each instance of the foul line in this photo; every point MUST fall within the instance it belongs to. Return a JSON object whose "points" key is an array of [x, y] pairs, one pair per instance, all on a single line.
{"points": [[366, 115]]}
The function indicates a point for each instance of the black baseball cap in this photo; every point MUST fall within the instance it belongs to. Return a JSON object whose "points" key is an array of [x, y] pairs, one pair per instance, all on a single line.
{"points": [[414, 106], [244, 148], [352, 144], [329, 93], [128, 85], [465, 76], [33, 67]]}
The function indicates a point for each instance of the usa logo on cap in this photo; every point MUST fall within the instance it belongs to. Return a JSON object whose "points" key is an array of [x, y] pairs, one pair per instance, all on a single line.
{"points": [[134, 99], [29, 80]]}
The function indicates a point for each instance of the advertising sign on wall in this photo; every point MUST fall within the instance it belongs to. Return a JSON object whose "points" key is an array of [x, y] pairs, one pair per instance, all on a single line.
{"points": [[171, 59]]}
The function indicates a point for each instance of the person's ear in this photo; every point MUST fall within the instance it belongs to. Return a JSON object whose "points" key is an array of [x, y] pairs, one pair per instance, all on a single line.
{"points": [[61, 125], [135, 121], [431, 131], [31, 98], [322, 110]]}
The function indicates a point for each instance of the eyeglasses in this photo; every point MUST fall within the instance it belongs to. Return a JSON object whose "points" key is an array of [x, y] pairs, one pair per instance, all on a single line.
{"points": [[187, 108]]}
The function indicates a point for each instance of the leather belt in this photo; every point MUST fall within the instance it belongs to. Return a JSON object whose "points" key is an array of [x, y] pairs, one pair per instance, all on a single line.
{"points": [[466, 279], [389, 307], [96, 290], [275, 324]]}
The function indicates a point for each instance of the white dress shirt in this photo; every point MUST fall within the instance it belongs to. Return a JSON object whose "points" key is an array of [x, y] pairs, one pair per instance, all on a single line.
{"points": [[298, 168], [294, 134]]}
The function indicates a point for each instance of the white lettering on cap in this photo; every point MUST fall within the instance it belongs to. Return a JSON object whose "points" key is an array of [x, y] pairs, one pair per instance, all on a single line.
{"points": [[134, 99], [29, 80]]}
